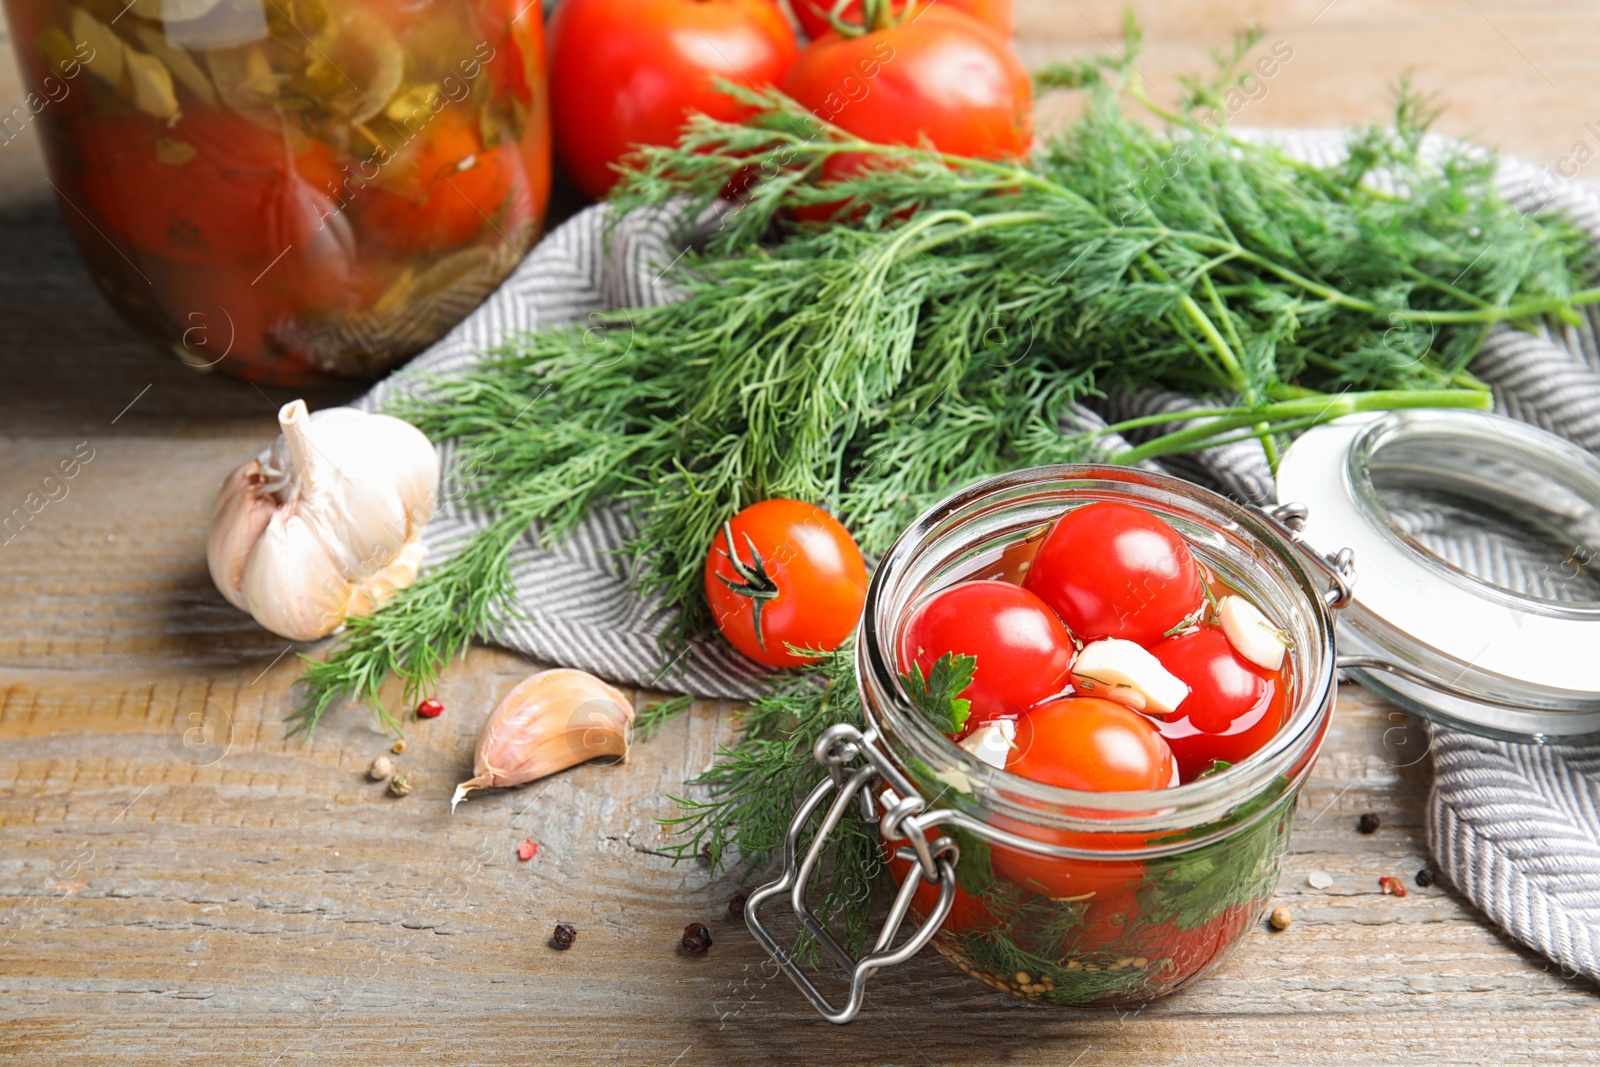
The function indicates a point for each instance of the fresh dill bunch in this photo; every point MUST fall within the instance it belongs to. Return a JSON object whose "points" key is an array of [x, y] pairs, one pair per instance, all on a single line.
{"points": [[943, 327]]}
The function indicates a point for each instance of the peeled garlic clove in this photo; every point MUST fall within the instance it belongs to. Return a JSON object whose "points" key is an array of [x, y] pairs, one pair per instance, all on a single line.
{"points": [[1112, 665], [108, 63], [549, 722], [992, 742], [327, 523], [1251, 633]]}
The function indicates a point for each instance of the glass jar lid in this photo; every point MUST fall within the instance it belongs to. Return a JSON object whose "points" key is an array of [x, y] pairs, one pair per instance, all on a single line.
{"points": [[1476, 540]]}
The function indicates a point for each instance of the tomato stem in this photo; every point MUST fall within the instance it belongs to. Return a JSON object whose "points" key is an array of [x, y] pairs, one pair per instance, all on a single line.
{"points": [[754, 581]]}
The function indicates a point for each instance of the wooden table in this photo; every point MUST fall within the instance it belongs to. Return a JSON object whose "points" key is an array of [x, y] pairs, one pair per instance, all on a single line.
{"points": [[180, 883]]}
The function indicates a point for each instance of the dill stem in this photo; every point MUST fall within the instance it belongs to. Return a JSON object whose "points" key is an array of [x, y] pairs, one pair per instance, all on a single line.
{"points": [[1506, 313], [1208, 329], [1302, 412]]}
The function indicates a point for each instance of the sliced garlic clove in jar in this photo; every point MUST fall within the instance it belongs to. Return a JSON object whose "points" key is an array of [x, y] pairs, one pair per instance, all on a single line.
{"points": [[1251, 633], [992, 742], [1106, 667]]}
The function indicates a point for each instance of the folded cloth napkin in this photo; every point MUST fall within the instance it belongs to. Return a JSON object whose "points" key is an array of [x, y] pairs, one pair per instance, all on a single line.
{"points": [[1515, 827]]}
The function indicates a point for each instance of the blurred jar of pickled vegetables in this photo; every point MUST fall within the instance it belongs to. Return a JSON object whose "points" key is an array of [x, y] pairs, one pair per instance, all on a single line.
{"points": [[288, 190]]}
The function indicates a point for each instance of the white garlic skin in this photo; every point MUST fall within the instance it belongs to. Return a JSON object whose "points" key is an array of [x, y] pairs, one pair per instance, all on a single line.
{"points": [[325, 524], [551, 721]]}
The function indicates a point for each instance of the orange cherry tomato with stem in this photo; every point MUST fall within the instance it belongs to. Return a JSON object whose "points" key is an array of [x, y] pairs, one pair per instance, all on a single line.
{"points": [[785, 573]]}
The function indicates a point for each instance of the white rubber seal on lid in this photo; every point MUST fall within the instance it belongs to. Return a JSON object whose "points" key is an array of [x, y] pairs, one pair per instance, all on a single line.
{"points": [[1499, 595]]}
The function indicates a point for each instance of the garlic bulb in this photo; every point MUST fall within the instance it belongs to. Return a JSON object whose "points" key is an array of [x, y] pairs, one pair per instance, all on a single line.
{"points": [[549, 722], [326, 524]]}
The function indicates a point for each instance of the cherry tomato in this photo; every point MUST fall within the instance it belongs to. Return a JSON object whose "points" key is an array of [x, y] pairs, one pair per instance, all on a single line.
{"points": [[940, 77], [1115, 570], [625, 73], [1183, 955], [1091, 744], [784, 572], [1098, 746], [209, 188], [439, 191], [1110, 883], [998, 15], [1024, 653], [1233, 707], [513, 46]]}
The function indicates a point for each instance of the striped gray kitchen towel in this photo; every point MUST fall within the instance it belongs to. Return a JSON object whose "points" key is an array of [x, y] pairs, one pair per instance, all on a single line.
{"points": [[1516, 828]]}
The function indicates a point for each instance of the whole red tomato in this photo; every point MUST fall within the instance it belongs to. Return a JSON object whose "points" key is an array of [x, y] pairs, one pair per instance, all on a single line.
{"points": [[1024, 653], [210, 188], [1115, 570], [784, 572], [998, 15], [440, 190], [1233, 707], [1098, 746], [940, 76], [1091, 744], [1110, 883], [625, 73]]}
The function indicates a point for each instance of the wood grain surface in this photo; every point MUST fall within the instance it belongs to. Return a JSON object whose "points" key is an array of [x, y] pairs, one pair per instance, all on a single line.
{"points": [[181, 883]]}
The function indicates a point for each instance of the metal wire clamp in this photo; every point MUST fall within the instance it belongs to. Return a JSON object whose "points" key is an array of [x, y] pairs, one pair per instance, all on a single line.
{"points": [[901, 818]]}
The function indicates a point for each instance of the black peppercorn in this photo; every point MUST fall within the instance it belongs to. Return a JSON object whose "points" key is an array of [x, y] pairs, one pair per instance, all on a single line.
{"points": [[565, 934], [1368, 823], [696, 939], [736, 907], [1426, 877]]}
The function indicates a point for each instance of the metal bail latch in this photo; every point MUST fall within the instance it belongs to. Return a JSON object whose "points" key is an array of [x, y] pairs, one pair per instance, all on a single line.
{"points": [[901, 820], [1340, 567]]}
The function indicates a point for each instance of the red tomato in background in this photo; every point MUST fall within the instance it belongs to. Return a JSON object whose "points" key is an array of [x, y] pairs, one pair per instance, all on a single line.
{"points": [[998, 15], [1115, 570], [1233, 707], [210, 188], [625, 73], [811, 586], [439, 191], [1091, 744], [940, 76], [1024, 653]]}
